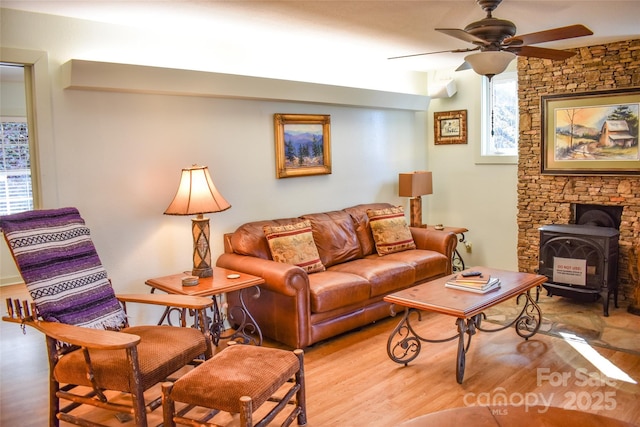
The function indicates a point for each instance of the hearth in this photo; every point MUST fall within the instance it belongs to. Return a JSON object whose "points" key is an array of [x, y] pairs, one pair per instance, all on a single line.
{"points": [[581, 260]]}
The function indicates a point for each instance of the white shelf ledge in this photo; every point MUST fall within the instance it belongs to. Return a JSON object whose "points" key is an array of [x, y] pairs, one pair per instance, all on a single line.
{"points": [[113, 77]]}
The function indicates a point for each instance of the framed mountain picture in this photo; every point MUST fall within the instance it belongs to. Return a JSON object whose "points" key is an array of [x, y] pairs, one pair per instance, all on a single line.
{"points": [[303, 144]]}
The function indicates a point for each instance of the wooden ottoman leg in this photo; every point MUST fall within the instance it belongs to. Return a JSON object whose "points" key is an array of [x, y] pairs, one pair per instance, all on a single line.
{"points": [[168, 405], [301, 395], [246, 411]]}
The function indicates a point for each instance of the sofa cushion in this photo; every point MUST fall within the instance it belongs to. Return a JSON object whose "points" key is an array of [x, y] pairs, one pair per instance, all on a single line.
{"points": [[427, 264], [384, 276], [335, 237], [331, 290], [249, 238], [293, 244], [390, 230], [360, 219]]}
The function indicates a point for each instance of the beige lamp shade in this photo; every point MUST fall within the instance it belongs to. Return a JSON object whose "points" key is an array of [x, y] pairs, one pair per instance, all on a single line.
{"points": [[196, 194], [490, 63], [415, 184]]}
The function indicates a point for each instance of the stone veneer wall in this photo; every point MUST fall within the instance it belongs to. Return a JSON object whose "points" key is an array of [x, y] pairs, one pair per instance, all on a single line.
{"points": [[547, 199]]}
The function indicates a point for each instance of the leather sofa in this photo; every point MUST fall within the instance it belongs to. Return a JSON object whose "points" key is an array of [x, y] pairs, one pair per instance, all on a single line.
{"points": [[299, 308]]}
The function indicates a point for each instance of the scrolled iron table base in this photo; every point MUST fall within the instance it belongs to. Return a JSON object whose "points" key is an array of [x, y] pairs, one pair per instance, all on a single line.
{"points": [[246, 332], [405, 343]]}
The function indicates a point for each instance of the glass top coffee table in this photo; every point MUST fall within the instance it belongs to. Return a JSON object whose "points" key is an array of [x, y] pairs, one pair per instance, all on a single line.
{"points": [[404, 343]]}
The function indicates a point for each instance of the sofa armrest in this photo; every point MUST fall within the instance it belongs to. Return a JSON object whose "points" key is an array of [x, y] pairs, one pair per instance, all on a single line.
{"points": [[441, 241], [285, 279], [283, 310]]}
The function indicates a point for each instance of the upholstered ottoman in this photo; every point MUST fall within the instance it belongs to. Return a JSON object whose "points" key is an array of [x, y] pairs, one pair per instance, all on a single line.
{"points": [[239, 379]]}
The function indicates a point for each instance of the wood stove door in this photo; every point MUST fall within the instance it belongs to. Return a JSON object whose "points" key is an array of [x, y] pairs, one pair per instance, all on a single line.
{"points": [[575, 248]]}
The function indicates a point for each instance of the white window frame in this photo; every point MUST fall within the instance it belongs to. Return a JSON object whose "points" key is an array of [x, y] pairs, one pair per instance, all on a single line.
{"points": [[16, 194], [40, 120], [482, 154]]}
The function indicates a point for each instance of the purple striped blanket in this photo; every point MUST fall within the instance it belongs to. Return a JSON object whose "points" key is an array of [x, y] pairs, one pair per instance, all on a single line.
{"points": [[61, 268]]}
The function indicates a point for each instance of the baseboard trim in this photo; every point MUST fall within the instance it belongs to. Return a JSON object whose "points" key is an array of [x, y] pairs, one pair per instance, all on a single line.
{"points": [[11, 280]]}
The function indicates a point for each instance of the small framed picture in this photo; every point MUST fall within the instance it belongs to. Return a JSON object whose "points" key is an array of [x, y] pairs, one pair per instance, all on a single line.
{"points": [[450, 127]]}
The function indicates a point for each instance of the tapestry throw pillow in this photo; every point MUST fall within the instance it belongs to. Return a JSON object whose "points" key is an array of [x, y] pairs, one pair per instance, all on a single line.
{"points": [[294, 244], [390, 231], [61, 268]]}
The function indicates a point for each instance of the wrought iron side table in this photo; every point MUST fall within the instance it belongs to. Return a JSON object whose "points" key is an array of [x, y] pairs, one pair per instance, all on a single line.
{"points": [[222, 281]]}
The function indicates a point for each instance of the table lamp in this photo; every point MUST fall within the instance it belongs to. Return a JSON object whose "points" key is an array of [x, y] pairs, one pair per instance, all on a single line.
{"points": [[414, 185], [197, 195]]}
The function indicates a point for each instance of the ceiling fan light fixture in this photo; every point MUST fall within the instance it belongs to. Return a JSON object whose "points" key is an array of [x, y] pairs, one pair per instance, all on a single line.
{"points": [[490, 63]]}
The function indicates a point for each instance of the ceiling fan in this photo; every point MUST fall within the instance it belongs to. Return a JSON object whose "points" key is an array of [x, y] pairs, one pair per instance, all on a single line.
{"points": [[496, 43]]}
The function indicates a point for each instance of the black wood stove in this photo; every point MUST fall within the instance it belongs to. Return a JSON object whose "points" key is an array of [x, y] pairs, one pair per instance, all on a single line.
{"points": [[581, 260]]}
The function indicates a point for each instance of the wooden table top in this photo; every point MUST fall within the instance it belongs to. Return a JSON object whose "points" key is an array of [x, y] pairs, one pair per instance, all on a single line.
{"points": [[219, 283], [434, 296]]}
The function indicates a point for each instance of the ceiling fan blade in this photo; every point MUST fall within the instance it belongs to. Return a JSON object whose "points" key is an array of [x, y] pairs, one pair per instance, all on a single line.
{"points": [[462, 35], [464, 66], [433, 53], [548, 35], [541, 52]]}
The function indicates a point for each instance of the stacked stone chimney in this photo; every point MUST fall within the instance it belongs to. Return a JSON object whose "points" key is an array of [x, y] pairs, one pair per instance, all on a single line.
{"points": [[547, 199]]}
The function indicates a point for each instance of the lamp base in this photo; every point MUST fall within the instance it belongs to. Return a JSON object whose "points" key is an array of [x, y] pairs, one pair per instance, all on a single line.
{"points": [[416, 212], [201, 253], [202, 272]]}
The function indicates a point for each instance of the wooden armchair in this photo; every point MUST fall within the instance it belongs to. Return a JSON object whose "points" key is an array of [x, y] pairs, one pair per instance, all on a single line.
{"points": [[94, 355]]}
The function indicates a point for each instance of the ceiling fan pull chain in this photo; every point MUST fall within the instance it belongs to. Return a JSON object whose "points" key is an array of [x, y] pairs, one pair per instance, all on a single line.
{"points": [[492, 102]]}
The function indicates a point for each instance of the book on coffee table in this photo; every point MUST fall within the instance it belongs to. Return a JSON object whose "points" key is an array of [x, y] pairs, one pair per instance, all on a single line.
{"points": [[493, 283], [482, 279]]}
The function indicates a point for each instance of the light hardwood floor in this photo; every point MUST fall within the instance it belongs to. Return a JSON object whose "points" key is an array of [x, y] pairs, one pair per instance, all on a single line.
{"points": [[352, 382]]}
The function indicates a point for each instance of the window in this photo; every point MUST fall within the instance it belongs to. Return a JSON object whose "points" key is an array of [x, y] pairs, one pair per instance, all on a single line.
{"points": [[500, 119], [16, 190], [16, 193]]}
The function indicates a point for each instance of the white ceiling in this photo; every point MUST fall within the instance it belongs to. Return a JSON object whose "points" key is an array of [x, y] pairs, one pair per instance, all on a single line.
{"points": [[356, 32]]}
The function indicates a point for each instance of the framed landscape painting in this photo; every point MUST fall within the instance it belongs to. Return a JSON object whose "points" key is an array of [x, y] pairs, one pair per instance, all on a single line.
{"points": [[303, 144], [591, 133]]}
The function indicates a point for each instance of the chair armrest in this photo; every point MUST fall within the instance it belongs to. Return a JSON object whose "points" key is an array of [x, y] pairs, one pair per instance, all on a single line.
{"points": [[83, 337], [168, 300]]}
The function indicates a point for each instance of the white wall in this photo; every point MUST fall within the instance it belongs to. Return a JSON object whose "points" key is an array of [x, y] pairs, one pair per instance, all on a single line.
{"points": [[13, 100], [117, 156], [479, 197]]}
